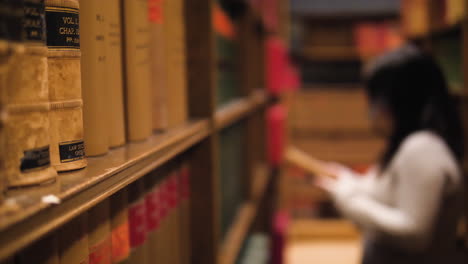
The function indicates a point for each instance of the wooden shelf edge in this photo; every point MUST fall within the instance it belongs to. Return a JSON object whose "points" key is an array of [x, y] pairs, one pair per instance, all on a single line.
{"points": [[232, 244], [239, 109], [37, 219]]}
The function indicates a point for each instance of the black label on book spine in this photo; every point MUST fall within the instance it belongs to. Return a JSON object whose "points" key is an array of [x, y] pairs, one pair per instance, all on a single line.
{"points": [[63, 28], [71, 151], [35, 159], [34, 21]]}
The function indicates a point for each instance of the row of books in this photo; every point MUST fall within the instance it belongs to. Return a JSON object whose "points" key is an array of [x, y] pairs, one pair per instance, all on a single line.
{"points": [[227, 51], [374, 38], [232, 168], [421, 16], [85, 74], [148, 222]]}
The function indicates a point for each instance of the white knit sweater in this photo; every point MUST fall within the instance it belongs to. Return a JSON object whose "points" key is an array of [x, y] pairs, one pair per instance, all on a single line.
{"points": [[414, 204]]}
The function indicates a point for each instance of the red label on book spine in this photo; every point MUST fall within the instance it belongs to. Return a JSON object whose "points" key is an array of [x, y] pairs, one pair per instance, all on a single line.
{"points": [[163, 197], [137, 222], [120, 243], [101, 252], [155, 8], [152, 209]]}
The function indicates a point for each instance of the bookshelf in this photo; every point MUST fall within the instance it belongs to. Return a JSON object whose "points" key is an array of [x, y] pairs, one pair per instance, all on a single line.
{"points": [[26, 218]]}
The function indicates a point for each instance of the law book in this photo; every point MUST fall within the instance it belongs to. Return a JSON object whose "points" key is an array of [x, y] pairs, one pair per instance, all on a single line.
{"points": [[415, 17], [153, 204], [231, 170], [174, 37], [120, 227], [448, 53], [27, 103], [93, 76], [184, 194], [226, 56], [114, 73], [456, 11], [44, 251], [66, 115], [174, 214], [158, 64], [99, 234], [137, 223], [137, 70], [73, 241], [164, 230], [5, 56]]}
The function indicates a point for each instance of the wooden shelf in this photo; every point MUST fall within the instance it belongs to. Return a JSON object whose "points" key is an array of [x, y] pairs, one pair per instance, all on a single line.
{"points": [[239, 108], [246, 215], [26, 218]]}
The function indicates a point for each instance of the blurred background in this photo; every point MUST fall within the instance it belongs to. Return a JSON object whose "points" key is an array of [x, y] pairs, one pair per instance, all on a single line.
{"points": [[329, 43]]}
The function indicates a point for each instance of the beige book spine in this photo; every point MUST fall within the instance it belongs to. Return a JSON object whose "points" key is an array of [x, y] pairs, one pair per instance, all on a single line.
{"points": [[174, 36], [114, 73], [73, 241], [158, 65], [66, 116], [27, 151], [120, 228], [137, 69], [44, 251], [93, 73], [99, 235]]}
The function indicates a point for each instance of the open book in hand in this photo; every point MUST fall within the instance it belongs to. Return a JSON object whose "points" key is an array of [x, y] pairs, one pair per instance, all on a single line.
{"points": [[308, 163]]}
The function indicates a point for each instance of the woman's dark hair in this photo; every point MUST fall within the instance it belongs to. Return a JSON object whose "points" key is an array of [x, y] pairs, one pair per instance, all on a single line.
{"points": [[412, 87]]}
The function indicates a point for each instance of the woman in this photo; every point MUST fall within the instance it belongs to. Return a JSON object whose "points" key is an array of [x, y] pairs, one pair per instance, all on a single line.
{"points": [[409, 205]]}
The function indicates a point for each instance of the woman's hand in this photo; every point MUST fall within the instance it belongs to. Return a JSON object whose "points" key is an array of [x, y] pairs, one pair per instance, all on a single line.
{"points": [[343, 186]]}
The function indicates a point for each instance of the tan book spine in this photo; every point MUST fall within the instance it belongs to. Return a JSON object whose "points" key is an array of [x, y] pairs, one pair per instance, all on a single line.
{"points": [[44, 251], [5, 56], [99, 235], [158, 65], [93, 73], [66, 116], [27, 156], [73, 241], [174, 36], [137, 70], [120, 228], [114, 73], [137, 223]]}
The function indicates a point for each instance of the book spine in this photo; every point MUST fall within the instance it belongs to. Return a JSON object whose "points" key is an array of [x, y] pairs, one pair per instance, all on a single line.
{"points": [[4, 66], [137, 223], [93, 70], [158, 66], [114, 73], [99, 235], [174, 216], [44, 251], [27, 148], [152, 216], [184, 193], [137, 70], [174, 36], [66, 116], [120, 228], [164, 231], [73, 241]]}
